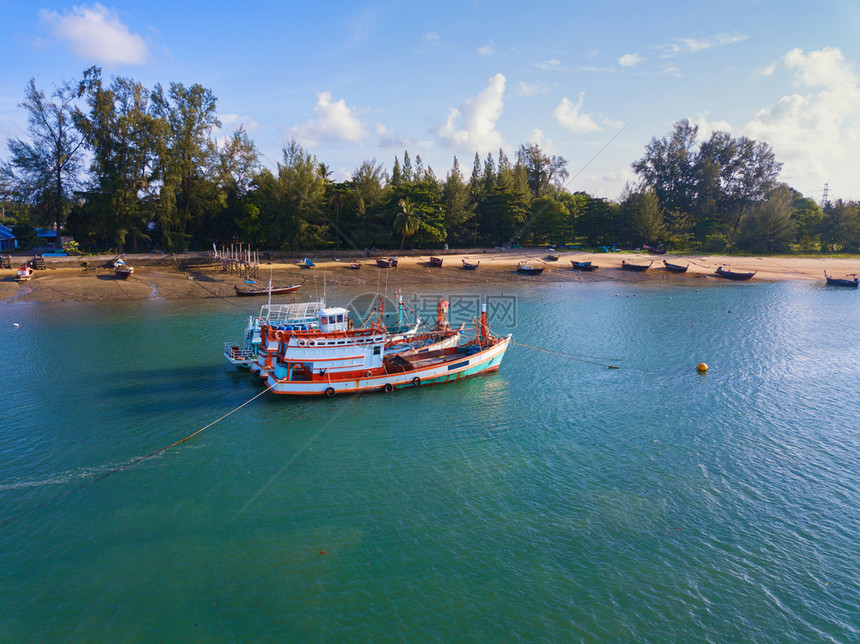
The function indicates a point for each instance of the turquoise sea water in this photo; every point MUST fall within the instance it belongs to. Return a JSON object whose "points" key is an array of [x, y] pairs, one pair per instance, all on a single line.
{"points": [[556, 500]]}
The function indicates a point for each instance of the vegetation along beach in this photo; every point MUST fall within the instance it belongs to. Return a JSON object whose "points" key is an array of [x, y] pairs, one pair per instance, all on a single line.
{"points": [[420, 368]]}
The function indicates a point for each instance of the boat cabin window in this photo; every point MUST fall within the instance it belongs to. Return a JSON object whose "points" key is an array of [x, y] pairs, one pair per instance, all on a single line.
{"points": [[376, 351]]}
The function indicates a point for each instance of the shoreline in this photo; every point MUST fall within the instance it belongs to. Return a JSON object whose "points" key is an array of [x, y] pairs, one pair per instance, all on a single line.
{"points": [[89, 279]]}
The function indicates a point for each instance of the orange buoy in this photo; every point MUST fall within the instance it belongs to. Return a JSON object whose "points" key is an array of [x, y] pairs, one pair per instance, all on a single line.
{"points": [[702, 367]]}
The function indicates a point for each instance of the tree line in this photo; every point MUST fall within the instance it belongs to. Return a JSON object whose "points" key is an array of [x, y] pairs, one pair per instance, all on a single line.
{"points": [[120, 166]]}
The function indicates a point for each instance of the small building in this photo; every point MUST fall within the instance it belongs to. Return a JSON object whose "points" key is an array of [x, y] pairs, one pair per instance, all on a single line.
{"points": [[7, 239]]}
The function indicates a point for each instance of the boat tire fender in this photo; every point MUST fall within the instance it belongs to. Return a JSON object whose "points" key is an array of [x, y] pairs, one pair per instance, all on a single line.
{"points": [[368, 374], [416, 381], [388, 387], [329, 392], [279, 335], [302, 343]]}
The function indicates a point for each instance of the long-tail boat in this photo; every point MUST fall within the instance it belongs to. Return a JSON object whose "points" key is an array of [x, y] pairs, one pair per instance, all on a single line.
{"points": [[849, 280], [675, 268], [627, 266], [471, 267], [268, 290], [733, 275], [528, 269], [583, 266], [436, 262]]}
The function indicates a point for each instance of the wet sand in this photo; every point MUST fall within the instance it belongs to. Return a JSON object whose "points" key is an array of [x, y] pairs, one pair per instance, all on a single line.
{"points": [[185, 277]]}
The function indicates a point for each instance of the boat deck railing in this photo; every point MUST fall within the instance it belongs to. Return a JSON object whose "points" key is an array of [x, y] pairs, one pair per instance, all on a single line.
{"points": [[235, 352]]}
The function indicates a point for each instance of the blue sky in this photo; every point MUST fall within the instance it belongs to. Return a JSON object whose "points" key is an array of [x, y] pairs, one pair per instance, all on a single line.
{"points": [[592, 82]]}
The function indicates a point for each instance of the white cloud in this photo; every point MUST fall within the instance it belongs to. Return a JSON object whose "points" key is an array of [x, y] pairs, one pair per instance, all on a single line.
{"points": [[694, 45], [549, 65], [532, 89], [629, 60], [569, 116], [335, 121], [537, 136], [486, 50], [230, 122], [95, 33], [431, 38], [707, 127], [478, 116], [814, 134], [389, 138], [765, 71]]}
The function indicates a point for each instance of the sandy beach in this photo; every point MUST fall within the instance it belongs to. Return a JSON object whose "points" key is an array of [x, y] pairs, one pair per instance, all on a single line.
{"points": [[187, 276]]}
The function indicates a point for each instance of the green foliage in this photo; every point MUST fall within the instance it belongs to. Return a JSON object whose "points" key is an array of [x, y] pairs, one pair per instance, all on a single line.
{"points": [[72, 248], [768, 226], [715, 243], [26, 235], [156, 172]]}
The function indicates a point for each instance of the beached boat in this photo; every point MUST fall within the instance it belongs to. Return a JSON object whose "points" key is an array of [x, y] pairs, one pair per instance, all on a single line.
{"points": [[849, 280], [307, 262], [122, 270], [436, 262], [733, 275], [268, 290], [551, 258], [471, 267], [24, 273], [528, 269], [354, 266], [627, 266], [334, 359], [386, 262], [583, 266], [675, 268]]}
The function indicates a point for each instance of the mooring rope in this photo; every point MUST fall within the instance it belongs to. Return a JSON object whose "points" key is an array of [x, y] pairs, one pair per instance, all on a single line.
{"points": [[132, 462], [569, 356]]}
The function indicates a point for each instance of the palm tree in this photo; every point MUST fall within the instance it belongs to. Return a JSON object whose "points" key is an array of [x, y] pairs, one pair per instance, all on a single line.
{"points": [[408, 221]]}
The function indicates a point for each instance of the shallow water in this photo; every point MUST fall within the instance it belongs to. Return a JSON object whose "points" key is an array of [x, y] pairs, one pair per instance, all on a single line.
{"points": [[554, 500]]}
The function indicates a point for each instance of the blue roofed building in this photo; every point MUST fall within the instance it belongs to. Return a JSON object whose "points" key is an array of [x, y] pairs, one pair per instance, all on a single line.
{"points": [[7, 239]]}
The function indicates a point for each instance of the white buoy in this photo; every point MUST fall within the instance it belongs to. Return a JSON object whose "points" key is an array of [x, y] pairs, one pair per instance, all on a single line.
{"points": [[16, 324]]}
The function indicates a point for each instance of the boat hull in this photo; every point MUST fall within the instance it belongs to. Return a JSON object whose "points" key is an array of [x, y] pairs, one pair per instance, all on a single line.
{"points": [[675, 268], [835, 281], [730, 275], [639, 268], [458, 367]]}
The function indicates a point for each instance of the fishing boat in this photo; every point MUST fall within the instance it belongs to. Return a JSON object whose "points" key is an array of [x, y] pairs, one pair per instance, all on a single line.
{"points": [[471, 267], [849, 280], [354, 266], [24, 273], [302, 315], [436, 262], [334, 359], [268, 290], [386, 262], [733, 275], [528, 269], [122, 270], [627, 266], [400, 337], [551, 258], [583, 266], [675, 268], [307, 262]]}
